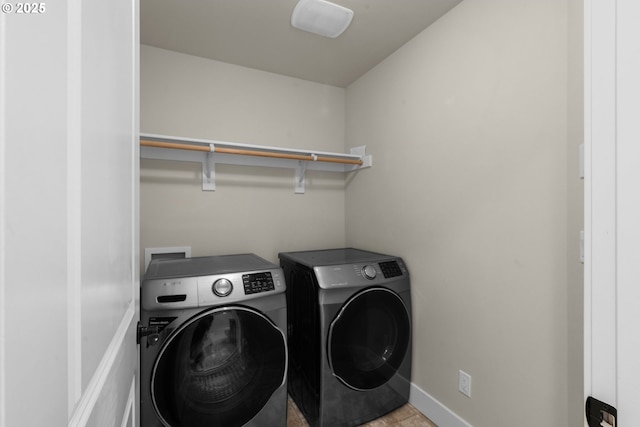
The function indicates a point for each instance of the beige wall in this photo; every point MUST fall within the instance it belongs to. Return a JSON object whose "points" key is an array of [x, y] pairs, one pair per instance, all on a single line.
{"points": [[471, 186], [253, 209]]}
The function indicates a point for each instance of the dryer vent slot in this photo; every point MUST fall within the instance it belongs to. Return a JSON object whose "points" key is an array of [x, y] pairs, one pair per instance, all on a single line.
{"points": [[172, 298]]}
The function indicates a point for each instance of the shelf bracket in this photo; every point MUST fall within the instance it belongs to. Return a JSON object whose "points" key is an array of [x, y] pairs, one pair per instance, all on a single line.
{"points": [[299, 184], [209, 170], [367, 160]]}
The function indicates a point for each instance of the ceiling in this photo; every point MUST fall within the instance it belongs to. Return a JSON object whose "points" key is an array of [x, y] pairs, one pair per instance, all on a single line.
{"points": [[258, 34]]}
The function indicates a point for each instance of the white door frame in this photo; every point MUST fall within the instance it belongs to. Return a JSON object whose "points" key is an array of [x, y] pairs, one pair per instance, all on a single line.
{"points": [[612, 205]]}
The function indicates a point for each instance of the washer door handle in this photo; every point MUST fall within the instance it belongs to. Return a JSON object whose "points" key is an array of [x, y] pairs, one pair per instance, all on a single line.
{"points": [[152, 332]]}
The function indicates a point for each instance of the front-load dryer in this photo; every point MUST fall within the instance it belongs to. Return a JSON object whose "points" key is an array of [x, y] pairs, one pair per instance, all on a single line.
{"points": [[349, 333], [213, 348]]}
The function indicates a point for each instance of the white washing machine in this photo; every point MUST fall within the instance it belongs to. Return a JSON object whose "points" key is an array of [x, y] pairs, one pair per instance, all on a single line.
{"points": [[349, 316], [213, 349]]}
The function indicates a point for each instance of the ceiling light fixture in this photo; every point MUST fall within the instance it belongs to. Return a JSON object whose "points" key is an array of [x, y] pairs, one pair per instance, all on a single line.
{"points": [[321, 17]]}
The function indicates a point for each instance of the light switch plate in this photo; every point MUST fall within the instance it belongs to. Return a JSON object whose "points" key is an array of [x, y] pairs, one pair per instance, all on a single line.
{"points": [[464, 383]]}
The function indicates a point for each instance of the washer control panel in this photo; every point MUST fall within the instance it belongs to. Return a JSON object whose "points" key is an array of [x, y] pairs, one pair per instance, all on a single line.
{"points": [[258, 282], [242, 286], [204, 291]]}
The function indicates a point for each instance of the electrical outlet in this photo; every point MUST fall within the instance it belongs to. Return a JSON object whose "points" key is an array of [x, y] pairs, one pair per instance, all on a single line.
{"points": [[464, 383]]}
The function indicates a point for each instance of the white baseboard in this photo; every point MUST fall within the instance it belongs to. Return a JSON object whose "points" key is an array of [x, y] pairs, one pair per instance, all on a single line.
{"points": [[434, 410]]}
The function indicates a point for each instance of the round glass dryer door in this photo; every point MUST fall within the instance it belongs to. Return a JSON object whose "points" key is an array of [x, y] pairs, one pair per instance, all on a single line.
{"points": [[369, 338], [219, 368]]}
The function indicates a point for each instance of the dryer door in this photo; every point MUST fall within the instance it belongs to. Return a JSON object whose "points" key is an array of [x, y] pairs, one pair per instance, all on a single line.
{"points": [[369, 338], [219, 368]]}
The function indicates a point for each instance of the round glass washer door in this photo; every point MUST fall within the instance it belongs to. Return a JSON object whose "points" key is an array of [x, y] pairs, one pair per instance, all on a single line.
{"points": [[369, 338], [219, 368]]}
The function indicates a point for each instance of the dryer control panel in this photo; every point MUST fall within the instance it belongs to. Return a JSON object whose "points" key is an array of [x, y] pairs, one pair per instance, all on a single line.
{"points": [[361, 274]]}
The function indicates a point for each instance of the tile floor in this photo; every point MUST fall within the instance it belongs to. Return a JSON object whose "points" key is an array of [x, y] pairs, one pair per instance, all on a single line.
{"points": [[406, 416]]}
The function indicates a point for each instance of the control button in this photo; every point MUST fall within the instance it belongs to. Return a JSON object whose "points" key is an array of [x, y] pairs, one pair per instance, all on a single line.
{"points": [[369, 272], [222, 287]]}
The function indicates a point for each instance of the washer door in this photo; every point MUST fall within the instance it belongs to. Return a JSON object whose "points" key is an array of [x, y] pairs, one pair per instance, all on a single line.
{"points": [[369, 338], [219, 368]]}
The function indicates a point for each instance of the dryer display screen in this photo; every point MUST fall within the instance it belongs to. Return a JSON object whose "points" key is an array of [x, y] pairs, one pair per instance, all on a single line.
{"points": [[390, 269], [257, 282]]}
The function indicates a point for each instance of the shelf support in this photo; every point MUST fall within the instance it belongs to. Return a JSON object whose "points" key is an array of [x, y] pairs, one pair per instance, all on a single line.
{"points": [[299, 185]]}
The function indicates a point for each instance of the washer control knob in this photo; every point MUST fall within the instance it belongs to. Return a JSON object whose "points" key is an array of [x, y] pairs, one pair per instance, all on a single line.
{"points": [[222, 287], [369, 272]]}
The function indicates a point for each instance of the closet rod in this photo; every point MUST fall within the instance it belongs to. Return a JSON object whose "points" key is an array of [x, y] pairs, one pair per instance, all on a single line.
{"points": [[223, 150]]}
